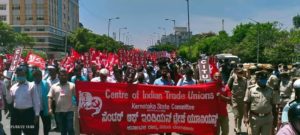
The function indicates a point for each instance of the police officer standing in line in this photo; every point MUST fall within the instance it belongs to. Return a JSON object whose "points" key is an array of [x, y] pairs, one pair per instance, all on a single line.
{"points": [[273, 82], [238, 85], [252, 80], [285, 88], [260, 103]]}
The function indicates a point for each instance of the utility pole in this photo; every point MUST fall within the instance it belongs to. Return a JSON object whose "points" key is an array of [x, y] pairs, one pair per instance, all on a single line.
{"points": [[258, 38], [222, 24], [189, 29]]}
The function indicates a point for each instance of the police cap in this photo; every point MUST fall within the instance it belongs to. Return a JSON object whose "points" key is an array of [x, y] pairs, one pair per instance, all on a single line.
{"points": [[261, 74], [284, 74], [239, 70], [252, 67]]}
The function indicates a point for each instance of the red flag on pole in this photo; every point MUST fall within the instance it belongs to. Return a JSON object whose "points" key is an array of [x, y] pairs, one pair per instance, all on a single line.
{"points": [[69, 64], [16, 59], [213, 66], [9, 57], [1, 63], [35, 60], [74, 54]]}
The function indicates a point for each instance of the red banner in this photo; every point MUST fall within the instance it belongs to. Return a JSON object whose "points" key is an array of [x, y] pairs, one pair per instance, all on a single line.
{"points": [[1, 64], [16, 59], [106, 108], [204, 70]]}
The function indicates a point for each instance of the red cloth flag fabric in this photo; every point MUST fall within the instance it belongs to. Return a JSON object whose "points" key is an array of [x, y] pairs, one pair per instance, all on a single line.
{"points": [[16, 59], [86, 59], [9, 57], [35, 60], [93, 54], [69, 64], [75, 55], [213, 66], [1, 63]]}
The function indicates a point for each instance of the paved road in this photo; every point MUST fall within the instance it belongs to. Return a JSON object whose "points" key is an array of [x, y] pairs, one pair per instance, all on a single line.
{"points": [[6, 123]]}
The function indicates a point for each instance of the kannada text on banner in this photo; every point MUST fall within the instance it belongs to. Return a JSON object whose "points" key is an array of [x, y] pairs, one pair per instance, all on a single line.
{"points": [[106, 108]]}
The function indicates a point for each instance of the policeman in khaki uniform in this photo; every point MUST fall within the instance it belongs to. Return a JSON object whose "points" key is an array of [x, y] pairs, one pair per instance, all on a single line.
{"points": [[252, 80], [238, 85], [285, 89], [260, 103]]}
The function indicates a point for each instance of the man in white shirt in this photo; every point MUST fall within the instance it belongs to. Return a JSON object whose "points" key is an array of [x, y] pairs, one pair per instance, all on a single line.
{"points": [[187, 79], [26, 105], [62, 94], [53, 79], [103, 77]]}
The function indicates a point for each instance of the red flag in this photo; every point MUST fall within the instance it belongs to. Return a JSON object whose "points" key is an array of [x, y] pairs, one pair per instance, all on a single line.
{"points": [[16, 59], [35, 60], [93, 54], [86, 60], [68, 64], [213, 66], [1, 63], [74, 54], [9, 57]]}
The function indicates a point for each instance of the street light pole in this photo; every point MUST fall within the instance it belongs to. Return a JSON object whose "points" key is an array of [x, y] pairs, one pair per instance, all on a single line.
{"points": [[174, 22], [66, 44], [258, 36], [164, 29], [155, 33], [120, 32], [189, 29], [109, 22]]}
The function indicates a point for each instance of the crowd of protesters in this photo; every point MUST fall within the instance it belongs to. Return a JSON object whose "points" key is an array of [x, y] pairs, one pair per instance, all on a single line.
{"points": [[30, 93]]}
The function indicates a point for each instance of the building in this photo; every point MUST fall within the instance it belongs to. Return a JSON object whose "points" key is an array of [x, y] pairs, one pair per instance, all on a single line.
{"points": [[180, 36], [4, 6], [47, 21]]}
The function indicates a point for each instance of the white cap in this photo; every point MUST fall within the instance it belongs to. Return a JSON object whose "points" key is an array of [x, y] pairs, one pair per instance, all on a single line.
{"points": [[50, 67], [297, 84], [104, 71], [129, 64]]}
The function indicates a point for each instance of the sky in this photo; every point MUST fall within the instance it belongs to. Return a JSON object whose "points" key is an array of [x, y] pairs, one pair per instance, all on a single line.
{"points": [[144, 17]]}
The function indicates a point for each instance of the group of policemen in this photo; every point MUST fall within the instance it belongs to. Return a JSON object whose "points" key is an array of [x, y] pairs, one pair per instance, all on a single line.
{"points": [[259, 95]]}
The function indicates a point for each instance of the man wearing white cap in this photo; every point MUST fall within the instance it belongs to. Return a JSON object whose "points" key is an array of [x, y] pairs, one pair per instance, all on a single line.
{"points": [[53, 78], [103, 77]]}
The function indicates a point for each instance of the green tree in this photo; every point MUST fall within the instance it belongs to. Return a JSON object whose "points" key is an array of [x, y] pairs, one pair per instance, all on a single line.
{"points": [[296, 21], [7, 36], [22, 39], [83, 39]]}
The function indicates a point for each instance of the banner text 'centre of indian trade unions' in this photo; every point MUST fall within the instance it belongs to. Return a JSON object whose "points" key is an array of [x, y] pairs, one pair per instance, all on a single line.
{"points": [[106, 108]]}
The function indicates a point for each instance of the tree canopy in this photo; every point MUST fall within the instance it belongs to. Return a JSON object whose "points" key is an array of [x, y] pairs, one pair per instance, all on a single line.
{"points": [[83, 39], [275, 45], [10, 39]]}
